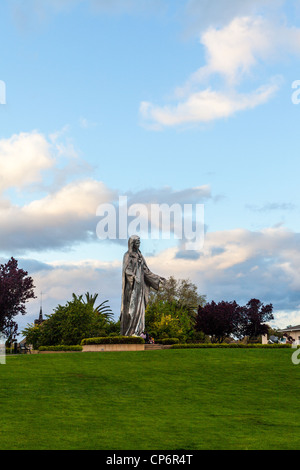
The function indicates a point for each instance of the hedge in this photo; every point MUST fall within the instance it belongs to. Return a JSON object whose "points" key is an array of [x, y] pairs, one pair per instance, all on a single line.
{"points": [[168, 341], [230, 345], [61, 347], [113, 340]]}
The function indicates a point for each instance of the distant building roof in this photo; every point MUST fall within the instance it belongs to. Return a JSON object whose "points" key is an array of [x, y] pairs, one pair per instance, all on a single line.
{"points": [[291, 328]]}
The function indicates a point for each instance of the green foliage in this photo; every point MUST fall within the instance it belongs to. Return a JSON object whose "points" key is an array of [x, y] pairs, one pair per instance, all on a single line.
{"points": [[197, 337], [102, 309], [70, 323], [167, 322], [112, 329], [230, 345], [113, 340], [33, 335], [60, 347], [168, 319], [168, 341], [182, 291], [171, 311]]}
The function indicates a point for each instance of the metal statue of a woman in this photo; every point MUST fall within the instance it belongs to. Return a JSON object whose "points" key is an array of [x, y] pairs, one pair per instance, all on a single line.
{"points": [[137, 279]]}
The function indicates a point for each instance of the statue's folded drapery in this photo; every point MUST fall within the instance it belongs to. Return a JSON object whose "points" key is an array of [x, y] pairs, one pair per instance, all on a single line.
{"points": [[136, 282]]}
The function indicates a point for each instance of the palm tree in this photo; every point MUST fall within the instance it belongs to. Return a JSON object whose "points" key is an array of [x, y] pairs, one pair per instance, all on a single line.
{"points": [[76, 297], [102, 309]]}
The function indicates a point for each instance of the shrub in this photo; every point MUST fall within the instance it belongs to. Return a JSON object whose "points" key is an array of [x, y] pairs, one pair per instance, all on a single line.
{"points": [[197, 337], [34, 335], [70, 323], [168, 341], [61, 347], [113, 340], [230, 345]]}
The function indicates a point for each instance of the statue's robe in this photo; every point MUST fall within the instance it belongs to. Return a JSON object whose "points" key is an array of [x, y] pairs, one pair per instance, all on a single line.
{"points": [[137, 279]]}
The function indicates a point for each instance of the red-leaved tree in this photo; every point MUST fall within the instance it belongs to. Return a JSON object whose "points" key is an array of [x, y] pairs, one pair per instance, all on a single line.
{"points": [[16, 288], [218, 320], [254, 317], [222, 319]]}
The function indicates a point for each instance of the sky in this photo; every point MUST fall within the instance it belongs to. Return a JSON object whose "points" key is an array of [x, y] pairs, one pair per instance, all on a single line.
{"points": [[160, 102]]}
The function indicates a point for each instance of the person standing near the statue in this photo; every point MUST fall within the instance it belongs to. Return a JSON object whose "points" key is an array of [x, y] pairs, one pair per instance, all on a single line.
{"points": [[147, 337], [137, 279]]}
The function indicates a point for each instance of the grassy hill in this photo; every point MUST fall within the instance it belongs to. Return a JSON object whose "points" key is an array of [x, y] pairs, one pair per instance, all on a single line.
{"points": [[158, 400]]}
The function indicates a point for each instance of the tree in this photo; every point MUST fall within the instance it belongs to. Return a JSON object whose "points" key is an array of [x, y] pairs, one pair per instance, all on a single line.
{"points": [[168, 319], [182, 291], [230, 319], [254, 316], [70, 323], [102, 309], [218, 320], [274, 332], [16, 288], [33, 335], [171, 311]]}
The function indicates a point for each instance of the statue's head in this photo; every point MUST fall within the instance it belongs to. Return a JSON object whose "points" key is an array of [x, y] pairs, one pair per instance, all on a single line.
{"points": [[134, 243]]}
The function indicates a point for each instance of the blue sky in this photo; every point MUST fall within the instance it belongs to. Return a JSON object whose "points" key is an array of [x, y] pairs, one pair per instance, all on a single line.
{"points": [[163, 101]]}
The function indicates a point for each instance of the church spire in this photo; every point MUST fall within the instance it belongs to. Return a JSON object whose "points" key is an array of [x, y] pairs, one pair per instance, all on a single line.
{"points": [[40, 319], [41, 315]]}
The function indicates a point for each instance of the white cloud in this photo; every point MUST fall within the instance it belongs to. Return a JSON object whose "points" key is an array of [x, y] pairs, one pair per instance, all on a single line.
{"points": [[234, 50], [233, 54], [39, 207], [239, 265], [76, 200], [61, 211], [204, 106], [59, 219], [23, 158]]}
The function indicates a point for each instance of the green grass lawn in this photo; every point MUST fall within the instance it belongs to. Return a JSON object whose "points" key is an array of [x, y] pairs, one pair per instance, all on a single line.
{"points": [[152, 400]]}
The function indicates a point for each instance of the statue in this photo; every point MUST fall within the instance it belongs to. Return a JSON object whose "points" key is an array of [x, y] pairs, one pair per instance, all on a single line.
{"points": [[137, 279]]}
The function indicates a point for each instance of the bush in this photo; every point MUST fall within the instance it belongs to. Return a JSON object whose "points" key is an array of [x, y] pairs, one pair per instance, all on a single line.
{"points": [[61, 347], [69, 324], [168, 341], [113, 340], [197, 337], [34, 335], [230, 345]]}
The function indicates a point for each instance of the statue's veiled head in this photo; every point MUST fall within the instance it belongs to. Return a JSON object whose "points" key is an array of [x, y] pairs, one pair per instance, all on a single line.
{"points": [[134, 243]]}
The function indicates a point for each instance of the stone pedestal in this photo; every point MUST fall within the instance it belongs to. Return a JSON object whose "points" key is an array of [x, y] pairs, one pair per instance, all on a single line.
{"points": [[264, 339]]}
